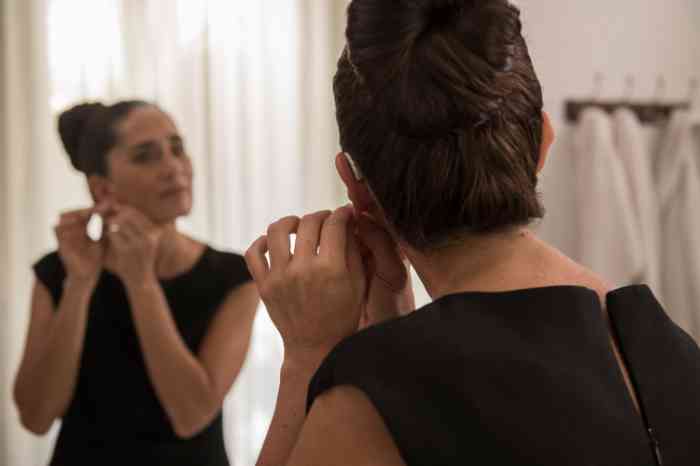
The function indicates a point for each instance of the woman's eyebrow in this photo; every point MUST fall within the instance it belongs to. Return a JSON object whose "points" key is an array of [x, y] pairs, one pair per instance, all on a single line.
{"points": [[143, 145], [148, 144]]}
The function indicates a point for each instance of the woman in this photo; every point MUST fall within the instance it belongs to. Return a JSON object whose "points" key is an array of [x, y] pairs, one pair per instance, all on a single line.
{"points": [[523, 357], [134, 339]]}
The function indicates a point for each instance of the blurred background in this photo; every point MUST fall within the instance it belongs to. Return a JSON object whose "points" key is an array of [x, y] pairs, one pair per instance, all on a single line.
{"points": [[249, 84]]}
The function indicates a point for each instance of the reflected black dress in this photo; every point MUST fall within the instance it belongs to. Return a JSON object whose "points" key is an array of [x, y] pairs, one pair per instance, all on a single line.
{"points": [[115, 416], [528, 377]]}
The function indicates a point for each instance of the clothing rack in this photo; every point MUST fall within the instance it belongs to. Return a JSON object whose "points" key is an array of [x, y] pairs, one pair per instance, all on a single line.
{"points": [[653, 110], [647, 113]]}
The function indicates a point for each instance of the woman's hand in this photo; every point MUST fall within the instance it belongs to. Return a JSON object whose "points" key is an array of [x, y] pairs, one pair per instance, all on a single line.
{"points": [[314, 296], [82, 257], [133, 244], [389, 287]]}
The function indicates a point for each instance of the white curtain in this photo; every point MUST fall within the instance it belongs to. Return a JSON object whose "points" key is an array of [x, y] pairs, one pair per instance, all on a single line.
{"points": [[249, 84]]}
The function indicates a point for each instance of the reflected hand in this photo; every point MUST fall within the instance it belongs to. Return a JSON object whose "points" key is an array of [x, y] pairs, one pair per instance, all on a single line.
{"points": [[133, 244], [82, 257]]}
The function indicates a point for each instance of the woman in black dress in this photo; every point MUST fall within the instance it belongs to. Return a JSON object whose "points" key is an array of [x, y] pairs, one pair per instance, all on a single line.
{"points": [[523, 357], [135, 339]]}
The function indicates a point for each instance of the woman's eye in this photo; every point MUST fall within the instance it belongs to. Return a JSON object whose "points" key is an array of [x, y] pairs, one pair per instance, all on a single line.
{"points": [[178, 148], [142, 157]]}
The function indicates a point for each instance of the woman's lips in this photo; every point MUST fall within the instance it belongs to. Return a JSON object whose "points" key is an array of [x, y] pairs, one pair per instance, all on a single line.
{"points": [[173, 192]]}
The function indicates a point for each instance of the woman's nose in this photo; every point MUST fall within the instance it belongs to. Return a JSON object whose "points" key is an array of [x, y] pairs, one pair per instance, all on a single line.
{"points": [[172, 164]]}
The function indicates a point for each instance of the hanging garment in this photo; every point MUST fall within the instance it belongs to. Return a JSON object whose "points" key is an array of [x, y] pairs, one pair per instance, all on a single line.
{"points": [[635, 154], [678, 184], [608, 240]]}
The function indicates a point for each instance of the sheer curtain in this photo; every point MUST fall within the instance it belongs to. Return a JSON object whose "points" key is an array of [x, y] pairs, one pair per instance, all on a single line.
{"points": [[249, 84]]}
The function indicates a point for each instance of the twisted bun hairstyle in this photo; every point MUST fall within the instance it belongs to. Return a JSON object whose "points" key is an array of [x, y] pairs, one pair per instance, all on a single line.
{"points": [[438, 103], [88, 133]]}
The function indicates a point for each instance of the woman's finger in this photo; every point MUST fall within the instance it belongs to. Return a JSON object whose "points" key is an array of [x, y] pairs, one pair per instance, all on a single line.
{"points": [[79, 213], [117, 239], [108, 210], [76, 216], [129, 225], [309, 234], [120, 235], [256, 261], [70, 229], [138, 221], [68, 219], [278, 241], [130, 231], [102, 207], [334, 236]]}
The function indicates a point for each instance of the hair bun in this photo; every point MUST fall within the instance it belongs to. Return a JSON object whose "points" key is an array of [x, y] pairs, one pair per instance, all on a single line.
{"points": [[72, 124], [442, 6], [435, 65]]}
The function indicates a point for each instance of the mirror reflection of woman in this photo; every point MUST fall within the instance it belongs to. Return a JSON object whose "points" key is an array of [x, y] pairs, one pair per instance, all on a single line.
{"points": [[134, 339]]}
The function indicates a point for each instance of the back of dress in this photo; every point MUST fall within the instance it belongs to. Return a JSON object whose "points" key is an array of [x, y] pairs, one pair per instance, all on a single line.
{"points": [[528, 377]]}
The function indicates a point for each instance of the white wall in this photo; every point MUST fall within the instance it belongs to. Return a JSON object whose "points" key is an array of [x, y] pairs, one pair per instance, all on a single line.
{"points": [[3, 218], [571, 40]]}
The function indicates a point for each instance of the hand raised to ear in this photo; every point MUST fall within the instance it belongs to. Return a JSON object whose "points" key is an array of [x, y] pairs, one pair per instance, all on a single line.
{"points": [[315, 295], [81, 256], [133, 244]]}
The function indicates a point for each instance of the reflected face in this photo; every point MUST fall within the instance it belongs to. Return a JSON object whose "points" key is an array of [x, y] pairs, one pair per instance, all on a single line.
{"points": [[149, 168]]}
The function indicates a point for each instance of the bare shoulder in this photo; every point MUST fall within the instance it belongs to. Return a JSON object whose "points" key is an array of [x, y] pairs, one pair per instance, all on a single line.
{"points": [[195, 247], [340, 420], [566, 271]]}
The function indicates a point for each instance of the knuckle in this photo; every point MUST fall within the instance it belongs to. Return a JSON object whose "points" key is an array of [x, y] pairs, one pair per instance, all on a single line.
{"points": [[270, 287], [289, 219], [334, 220], [319, 216], [288, 222], [279, 227], [248, 255], [265, 291], [323, 214], [326, 268], [274, 227], [298, 271]]}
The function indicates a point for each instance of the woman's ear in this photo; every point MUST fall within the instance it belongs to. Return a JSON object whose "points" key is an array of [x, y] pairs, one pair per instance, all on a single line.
{"points": [[357, 189], [360, 194], [548, 137], [100, 188]]}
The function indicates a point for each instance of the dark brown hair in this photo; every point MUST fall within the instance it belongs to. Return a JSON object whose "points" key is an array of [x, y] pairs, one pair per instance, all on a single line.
{"points": [[88, 132], [439, 105]]}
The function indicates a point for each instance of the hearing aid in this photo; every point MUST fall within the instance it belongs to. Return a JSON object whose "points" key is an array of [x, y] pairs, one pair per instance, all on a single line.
{"points": [[353, 166]]}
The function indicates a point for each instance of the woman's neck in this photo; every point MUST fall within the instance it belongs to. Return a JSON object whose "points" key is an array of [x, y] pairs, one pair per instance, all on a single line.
{"points": [[504, 261], [176, 252]]}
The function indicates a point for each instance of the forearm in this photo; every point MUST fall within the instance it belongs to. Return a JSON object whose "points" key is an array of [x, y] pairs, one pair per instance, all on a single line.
{"points": [[181, 383], [45, 388], [290, 411]]}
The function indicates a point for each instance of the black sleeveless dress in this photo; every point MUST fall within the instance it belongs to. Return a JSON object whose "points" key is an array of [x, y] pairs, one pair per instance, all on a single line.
{"points": [[115, 416], [528, 377]]}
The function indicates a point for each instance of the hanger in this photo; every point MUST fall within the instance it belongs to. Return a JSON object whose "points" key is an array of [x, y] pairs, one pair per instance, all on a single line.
{"points": [[653, 112], [692, 99]]}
